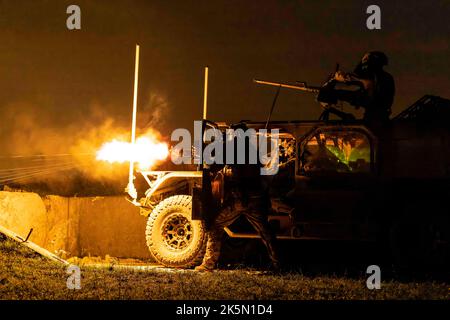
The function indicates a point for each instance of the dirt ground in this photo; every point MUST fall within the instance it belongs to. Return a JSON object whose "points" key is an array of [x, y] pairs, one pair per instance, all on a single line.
{"points": [[26, 275]]}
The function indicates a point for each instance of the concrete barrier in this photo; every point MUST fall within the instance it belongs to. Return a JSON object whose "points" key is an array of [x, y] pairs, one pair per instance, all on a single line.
{"points": [[78, 226]]}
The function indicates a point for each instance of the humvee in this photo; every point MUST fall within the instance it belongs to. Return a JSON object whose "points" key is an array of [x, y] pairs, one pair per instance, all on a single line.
{"points": [[337, 180]]}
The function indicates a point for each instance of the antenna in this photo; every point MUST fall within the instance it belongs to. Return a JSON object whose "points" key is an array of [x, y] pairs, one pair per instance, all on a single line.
{"points": [[130, 188], [205, 95]]}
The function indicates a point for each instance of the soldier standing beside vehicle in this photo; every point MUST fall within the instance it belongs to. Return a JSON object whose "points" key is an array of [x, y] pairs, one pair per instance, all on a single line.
{"points": [[376, 88], [245, 195]]}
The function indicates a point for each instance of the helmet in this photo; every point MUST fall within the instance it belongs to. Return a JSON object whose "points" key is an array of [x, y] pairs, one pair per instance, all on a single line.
{"points": [[371, 62], [375, 58], [240, 125]]}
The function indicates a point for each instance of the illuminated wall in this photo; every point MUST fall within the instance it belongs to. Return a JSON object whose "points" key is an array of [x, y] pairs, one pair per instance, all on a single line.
{"points": [[83, 226]]}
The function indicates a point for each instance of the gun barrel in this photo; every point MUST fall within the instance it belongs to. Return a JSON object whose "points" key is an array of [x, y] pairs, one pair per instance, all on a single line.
{"points": [[301, 86]]}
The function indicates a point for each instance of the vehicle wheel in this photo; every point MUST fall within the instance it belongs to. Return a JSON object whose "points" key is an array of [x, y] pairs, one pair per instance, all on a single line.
{"points": [[419, 245], [174, 240]]}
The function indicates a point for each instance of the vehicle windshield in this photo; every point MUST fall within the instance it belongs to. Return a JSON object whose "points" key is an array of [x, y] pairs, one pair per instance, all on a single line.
{"points": [[337, 151]]}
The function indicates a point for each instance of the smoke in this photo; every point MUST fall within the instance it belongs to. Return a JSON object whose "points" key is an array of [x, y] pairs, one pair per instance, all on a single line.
{"points": [[49, 154], [154, 113]]}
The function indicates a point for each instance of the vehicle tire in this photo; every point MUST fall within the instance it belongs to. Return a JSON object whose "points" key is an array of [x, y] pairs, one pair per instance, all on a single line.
{"points": [[419, 245], [174, 240]]}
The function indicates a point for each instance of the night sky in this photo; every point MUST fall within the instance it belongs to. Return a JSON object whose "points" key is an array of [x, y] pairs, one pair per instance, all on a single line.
{"points": [[59, 78]]}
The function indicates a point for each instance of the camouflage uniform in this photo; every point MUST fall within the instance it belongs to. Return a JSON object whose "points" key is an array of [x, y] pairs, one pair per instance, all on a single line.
{"points": [[245, 197]]}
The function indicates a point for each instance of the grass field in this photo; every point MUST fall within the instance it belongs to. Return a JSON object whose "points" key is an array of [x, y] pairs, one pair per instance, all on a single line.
{"points": [[26, 275]]}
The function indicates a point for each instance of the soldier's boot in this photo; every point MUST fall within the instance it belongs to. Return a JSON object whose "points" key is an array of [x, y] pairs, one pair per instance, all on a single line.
{"points": [[204, 268], [212, 252]]}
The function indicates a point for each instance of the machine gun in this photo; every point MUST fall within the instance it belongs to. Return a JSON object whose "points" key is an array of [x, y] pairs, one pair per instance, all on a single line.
{"points": [[302, 86], [323, 96]]}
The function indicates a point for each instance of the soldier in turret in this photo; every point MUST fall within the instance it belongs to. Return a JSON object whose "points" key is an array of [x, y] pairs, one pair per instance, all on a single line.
{"points": [[375, 88]]}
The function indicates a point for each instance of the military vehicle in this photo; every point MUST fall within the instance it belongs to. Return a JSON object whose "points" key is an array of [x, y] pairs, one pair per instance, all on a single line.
{"points": [[337, 180]]}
